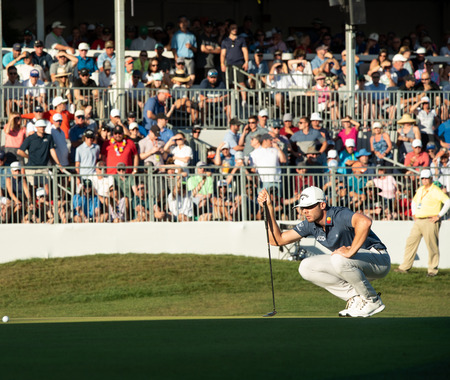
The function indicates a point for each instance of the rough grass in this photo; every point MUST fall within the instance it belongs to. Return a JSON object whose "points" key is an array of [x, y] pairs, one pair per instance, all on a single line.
{"points": [[193, 285]]}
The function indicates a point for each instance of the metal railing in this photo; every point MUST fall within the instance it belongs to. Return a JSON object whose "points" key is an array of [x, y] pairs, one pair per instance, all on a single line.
{"points": [[47, 195]]}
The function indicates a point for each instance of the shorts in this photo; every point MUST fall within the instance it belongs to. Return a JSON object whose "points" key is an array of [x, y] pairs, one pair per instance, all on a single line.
{"points": [[189, 65], [239, 76], [35, 177]]}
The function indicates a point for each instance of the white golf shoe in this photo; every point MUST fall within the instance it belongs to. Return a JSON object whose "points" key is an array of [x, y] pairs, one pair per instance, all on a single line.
{"points": [[367, 307], [352, 303]]}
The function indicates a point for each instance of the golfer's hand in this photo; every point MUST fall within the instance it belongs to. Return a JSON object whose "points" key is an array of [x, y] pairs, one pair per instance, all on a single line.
{"points": [[263, 197], [343, 251]]}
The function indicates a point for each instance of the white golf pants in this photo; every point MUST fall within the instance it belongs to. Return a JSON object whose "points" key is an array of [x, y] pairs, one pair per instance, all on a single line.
{"points": [[345, 277]]}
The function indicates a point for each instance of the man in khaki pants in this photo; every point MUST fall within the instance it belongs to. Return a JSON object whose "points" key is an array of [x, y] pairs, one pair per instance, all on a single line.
{"points": [[428, 206]]}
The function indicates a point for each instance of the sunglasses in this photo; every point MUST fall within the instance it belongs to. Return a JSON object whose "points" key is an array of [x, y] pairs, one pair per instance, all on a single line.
{"points": [[178, 63]]}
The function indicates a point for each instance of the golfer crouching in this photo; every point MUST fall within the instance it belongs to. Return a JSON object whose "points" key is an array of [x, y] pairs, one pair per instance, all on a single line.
{"points": [[357, 254]]}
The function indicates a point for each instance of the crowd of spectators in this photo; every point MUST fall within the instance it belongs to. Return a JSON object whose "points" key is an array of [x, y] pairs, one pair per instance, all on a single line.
{"points": [[112, 157]]}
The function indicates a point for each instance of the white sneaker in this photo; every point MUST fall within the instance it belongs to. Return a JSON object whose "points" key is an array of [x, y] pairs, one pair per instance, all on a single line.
{"points": [[367, 308], [352, 303]]}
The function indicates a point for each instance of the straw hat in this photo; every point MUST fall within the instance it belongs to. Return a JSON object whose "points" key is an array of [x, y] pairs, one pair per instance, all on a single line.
{"points": [[406, 119]]}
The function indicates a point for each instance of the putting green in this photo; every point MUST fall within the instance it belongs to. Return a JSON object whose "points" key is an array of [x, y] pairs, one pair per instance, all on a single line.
{"points": [[231, 348]]}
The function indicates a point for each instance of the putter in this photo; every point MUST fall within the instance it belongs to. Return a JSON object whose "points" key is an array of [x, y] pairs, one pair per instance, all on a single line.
{"points": [[266, 222]]}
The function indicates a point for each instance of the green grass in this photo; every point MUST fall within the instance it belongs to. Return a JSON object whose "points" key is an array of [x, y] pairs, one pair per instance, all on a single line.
{"points": [[193, 286]]}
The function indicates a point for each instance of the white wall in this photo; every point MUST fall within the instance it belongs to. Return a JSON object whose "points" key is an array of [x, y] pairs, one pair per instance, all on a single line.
{"points": [[246, 238]]}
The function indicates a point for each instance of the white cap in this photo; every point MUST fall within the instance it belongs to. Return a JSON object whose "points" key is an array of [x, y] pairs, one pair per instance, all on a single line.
{"points": [[83, 46], [40, 192], [377, 124], [374, 36], [58, 24], [316, 116], [417, 143], [157, 76], [350, 142], [133, 125], [58, 100], [287, 117], [222, 182], [425, 173], [399, 58], [115, 112], [263, 113], [421, 50], [425, 99], [332, 164], [310, 196], [57, 117], [225, 146], [332, 153], [40, 123], [15, 165], [79, 113]]}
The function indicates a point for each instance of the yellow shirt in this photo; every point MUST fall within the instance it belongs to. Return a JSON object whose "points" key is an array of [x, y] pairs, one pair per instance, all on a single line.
{"points": [[429, 201]]}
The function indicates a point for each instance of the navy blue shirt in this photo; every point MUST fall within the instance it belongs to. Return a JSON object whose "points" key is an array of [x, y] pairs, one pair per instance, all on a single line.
{"points": [[156, 107], [339, 231], [234, 55], [38, 149]]}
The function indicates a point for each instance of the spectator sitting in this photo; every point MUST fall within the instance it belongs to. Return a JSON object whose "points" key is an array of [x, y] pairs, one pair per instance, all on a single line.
{"points": [[257, 67], [180, 202], [154, 106], [428, 69], [308, 137], [35, 92], [106, 78], [67, 61], [426, 119], [224, 158], [86, 206], [85, 62], [388, 187], [417, 158], [15, 56], [161, 122], [18, 191], [324, 94], [223, 204], [406, 134], [232, 136], [118, 206], [182, 153], [288, 129], [347, 157], [151, 148], [55, 40], [380, 143], [86, 92], [210, 100], [202, 187], [108, 55], [28, 65], [143, 42]]}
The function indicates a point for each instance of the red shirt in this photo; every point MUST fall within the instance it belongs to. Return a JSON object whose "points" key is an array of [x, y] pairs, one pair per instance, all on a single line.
{"points": [[288, 135], [113, 153], [421, 159], [66, 117]]}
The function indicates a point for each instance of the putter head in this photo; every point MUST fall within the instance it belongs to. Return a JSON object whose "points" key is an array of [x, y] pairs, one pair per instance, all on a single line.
{"points": [[271, 314]]}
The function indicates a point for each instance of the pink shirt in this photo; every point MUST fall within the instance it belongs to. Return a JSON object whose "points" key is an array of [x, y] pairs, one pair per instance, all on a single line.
{"points": [[352, 135], [14, 139]]}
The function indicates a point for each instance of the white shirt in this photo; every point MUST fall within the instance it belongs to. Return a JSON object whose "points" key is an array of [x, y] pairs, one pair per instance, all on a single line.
{"points": [[185, 151], [35, 90], [180, 204], [425, 120], [102, 185], [25, 70], [267, 163]]}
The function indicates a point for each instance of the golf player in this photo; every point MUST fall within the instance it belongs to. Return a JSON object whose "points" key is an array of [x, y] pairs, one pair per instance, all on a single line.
{"points": [[357, 254]]}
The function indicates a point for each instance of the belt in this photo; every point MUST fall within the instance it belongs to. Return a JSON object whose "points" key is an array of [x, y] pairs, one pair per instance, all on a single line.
{"points": [[374, 250]]}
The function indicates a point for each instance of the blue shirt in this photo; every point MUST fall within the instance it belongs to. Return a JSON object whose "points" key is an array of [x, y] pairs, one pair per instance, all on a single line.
{"points": [[166, 135], [179, 41], [339, 231], [87, 156], [317, 62], [232, 139], [104, 57], [234, 55], [156, 107], [87, 63], [444, 131], [8, 57], [344, 156], [88, 205], [253, 68]]}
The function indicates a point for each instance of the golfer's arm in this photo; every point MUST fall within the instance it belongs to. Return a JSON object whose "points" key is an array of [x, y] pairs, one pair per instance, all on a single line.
{"points": [[276, 237], [362, 225]]}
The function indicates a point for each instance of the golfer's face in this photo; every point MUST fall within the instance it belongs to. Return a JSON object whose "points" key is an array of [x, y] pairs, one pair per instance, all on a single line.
{"points": [[312, 213]]}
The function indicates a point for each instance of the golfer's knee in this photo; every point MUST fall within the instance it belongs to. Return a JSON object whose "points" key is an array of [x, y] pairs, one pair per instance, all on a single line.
{"points": [[340, 263], [305, 269]]}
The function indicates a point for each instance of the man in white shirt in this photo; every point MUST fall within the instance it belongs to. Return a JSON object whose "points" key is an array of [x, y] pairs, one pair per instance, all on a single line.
{"points": [[182, 153]]}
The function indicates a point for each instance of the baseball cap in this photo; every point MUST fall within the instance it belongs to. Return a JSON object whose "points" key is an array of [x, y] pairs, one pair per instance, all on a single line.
{"points": [[38, 109], [287, 117], [222, 182], [350, 142], [161, 115], [377, 124], [87, 183], [225, 146], [137, 73], [85, 71], [180, 60], [79, 113], [115, 113], [374, 36], [41, 123], [332, 153], [201, 164], [38, 43], [316, 116], [421, 50], [14, 165], [157, 76], [363, 152], [34, 73], [155, 130], [57, 117], [425, 99], [322, 47], [259, 51], [133, 125], [58, 100], [109, 44], [83, 46], [263, 112], [159, 46], [164, 91], [131, 114], [425, 173], [431, 145], [118, 129], [58, 24], [106, 65], [40, 192], [89, 133], [235, 121], [399, 58], [311, 196], [416, 143], [17, 47], [213, 73]]}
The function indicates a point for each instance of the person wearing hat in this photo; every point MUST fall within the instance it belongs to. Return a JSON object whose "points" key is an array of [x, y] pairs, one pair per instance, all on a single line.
{"points": [[86, 92], [251, 129], [42, 58], [85, 62], [211, 100], [27, 66], [322, 58], [234, 52], [406, 134], [35, 92], [119, 149], [87, 154], [143, 41], [76, 133], [357, 253], [65, 60], [55, 40], [181, 81], [288, 128], [350, 129], [182, 153], [224, 158], [427, 120], [257, 67], [86, 206], [107, 55], [164, 63], [105, 35], [161, 122], [380, 143], [232, 136], [14, 57], [151, 148], [18, 191], [201, 185], [429, 206], [154, 106], [278, 79], [417, 158]]}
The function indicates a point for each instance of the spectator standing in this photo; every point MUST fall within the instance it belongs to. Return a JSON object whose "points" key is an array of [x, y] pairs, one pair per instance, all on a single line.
{"points": [[59, 138], [87, 155], [427, 119], [120, 149], [143, 42], [234, 52], [55, 40], [151, 148], [249, 132], [184, 45], [201, 185], [429, 206], [209, 53], [76, 133], [15, 134]]}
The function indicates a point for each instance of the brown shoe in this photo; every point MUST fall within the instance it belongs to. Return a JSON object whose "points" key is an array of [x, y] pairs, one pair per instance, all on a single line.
{"points": [[398, 270]]}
